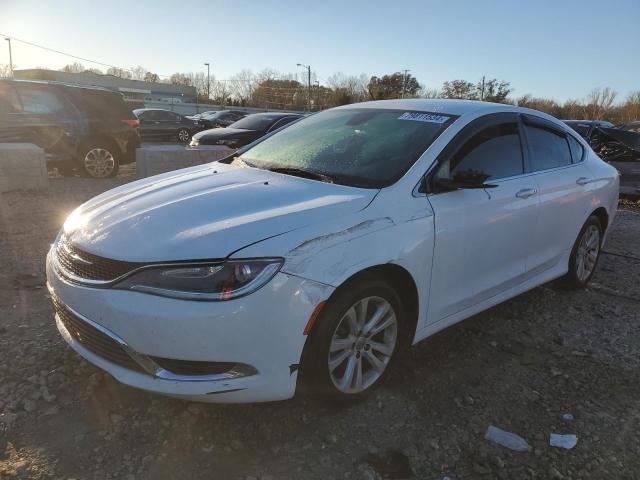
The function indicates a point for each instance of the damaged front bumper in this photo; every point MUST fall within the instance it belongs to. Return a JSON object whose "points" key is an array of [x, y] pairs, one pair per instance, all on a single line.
{"points": [[254, 340]]}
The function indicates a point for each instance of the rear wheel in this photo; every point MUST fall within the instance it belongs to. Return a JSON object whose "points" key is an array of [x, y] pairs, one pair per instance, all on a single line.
{"points": [[99, 161], [353, 341], [585, 254]]}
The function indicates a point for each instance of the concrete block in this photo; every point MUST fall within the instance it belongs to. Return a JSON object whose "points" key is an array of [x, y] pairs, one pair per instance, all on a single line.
{"points": [[156, 159], [23, 166]]}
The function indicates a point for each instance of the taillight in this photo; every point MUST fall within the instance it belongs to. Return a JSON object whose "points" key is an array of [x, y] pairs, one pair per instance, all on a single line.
{"points": [[132, 123]]}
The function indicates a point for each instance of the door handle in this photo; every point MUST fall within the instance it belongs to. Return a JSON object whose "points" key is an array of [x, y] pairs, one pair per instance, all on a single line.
{"points": [[583, 181], [526, 192]]}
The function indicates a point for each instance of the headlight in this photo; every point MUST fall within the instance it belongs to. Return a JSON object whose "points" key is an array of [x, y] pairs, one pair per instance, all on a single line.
{"points": [[204, 281], [194, 142]]}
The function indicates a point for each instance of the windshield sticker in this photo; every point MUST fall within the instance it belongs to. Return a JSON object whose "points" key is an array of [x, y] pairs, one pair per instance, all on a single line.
{"points": [[423, 117]]}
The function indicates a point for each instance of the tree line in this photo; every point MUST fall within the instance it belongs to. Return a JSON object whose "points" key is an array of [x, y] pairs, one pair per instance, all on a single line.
{"points": [[271, 89]]}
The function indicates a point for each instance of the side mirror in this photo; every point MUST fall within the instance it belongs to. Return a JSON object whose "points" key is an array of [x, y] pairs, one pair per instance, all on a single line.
{"points": [[468, 179]]}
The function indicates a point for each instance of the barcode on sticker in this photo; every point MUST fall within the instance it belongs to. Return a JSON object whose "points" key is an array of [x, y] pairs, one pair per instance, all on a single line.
{"points": [[423, 117]]}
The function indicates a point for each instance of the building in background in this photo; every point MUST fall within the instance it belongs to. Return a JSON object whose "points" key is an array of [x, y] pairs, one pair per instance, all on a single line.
{"points": [[133, 90]]}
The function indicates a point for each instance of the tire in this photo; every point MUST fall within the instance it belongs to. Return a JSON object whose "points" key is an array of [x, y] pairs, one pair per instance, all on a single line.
{"points": [[183, 135], [99, 160], [584, 254], [333, 328]]}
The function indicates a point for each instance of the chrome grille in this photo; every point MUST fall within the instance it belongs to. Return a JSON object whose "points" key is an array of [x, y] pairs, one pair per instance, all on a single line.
{"points": [[88, 266]]}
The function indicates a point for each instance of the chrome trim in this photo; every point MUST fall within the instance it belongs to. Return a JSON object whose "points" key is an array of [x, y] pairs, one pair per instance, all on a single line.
{"points": [[147, 363]]}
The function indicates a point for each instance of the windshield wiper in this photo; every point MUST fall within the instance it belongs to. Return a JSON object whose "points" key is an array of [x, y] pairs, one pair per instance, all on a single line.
{"points": [[299, 172]]}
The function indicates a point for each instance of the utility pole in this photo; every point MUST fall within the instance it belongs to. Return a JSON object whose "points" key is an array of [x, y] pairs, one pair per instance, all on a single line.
{"points": [[208, 83], [482, 91], [404, 81], [10, 57], [308, 67]]}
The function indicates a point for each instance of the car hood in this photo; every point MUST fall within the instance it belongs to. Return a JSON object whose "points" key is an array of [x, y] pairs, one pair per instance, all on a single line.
{"points": [[205, 212], [215, 134]]}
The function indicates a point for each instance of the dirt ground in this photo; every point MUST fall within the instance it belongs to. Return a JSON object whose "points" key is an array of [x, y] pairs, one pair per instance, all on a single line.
{"points": [[520, 366]]}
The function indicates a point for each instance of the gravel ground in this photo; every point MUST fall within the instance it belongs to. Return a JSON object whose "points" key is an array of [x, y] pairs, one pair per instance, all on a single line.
{"points": [[520, 366]]}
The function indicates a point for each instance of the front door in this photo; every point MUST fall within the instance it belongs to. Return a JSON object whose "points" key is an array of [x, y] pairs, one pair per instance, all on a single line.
{"points": [[482, 236]]}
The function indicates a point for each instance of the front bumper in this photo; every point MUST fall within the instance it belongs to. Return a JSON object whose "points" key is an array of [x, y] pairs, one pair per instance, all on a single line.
{"points": [[263, 330]]}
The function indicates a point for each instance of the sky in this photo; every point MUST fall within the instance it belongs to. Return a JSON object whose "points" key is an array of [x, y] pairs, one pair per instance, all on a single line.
{"points": [[559, 49]]}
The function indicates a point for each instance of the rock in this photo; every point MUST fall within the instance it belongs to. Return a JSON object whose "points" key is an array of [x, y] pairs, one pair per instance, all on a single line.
{"points": [[29, 405], [115, 418]]}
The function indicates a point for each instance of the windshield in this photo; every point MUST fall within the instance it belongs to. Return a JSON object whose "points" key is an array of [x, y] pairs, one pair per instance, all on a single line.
{"points": [[255, 122], [370, 148]]}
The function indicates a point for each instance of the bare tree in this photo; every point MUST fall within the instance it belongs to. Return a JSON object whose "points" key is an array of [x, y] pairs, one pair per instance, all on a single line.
{"points": [[5, 70], [151, 77], [242, 85], [429, 93], [138, 73], [118, 72], [180, 79], [459, 89], [73, 68], [599, 102]]}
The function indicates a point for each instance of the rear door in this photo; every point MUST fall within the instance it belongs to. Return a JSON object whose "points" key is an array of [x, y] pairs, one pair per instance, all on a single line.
{"points": [[47, 119], [482, 236], [562, 179]]}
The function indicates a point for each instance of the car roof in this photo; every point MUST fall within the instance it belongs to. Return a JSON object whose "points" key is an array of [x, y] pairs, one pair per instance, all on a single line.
{"points": [[60, 84], [449, 107], [274, 114]]}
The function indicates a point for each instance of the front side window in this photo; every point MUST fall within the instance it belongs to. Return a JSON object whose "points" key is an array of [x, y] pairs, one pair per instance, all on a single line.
{"points": [[548, 149], [494, 152], [36, 100], [369, 148]]}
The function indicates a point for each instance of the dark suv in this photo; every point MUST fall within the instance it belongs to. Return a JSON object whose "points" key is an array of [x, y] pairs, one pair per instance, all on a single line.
{"points": [[90, 129]]}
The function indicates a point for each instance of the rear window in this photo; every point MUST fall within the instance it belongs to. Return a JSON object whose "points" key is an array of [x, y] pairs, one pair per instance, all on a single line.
{"points": [[100, 104], [37, 99], [255, 122]]}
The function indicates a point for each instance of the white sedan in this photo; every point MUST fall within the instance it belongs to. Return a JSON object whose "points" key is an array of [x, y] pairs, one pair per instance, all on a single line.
{"points": [[313, 255]]}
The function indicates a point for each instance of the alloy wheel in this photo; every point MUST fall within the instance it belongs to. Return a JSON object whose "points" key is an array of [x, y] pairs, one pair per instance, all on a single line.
{"points": [[99, 162], [362, 344], [183, 135], [587, 253]]}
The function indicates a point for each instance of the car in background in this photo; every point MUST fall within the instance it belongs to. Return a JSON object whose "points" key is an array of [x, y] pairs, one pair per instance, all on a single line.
{"points": [[88, 129], [630, 126], [586, 127], [158, 124], [244, 131], [612, 143], [222, 118], [198, 115]]}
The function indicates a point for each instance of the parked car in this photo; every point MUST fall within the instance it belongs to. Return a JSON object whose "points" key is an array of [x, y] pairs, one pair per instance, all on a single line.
{"points": [[630, 126], [312, 256], [244, 131], [157, 124], [198, 115], [90, 129], [612, 144], [223, 118], [586, 127]]}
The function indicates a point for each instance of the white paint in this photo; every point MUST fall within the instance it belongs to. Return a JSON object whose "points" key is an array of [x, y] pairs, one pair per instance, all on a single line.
{"points": [[466, 251]]}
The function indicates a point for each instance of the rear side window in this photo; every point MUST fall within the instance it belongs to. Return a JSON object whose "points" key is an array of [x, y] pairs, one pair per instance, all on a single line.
{"points": [[548, 149], [39, 100], [9, 102], [576, 149], [495, 151], [100, 104]]}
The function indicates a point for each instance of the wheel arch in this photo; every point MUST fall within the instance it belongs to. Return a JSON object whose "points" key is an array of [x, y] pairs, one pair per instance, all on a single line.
{"points": [[602, 215]]}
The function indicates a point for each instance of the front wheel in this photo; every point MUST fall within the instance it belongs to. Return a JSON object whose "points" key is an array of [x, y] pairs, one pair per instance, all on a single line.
{"points": [[353, 341], [585, 254], [99, 161], [183, 135]]}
